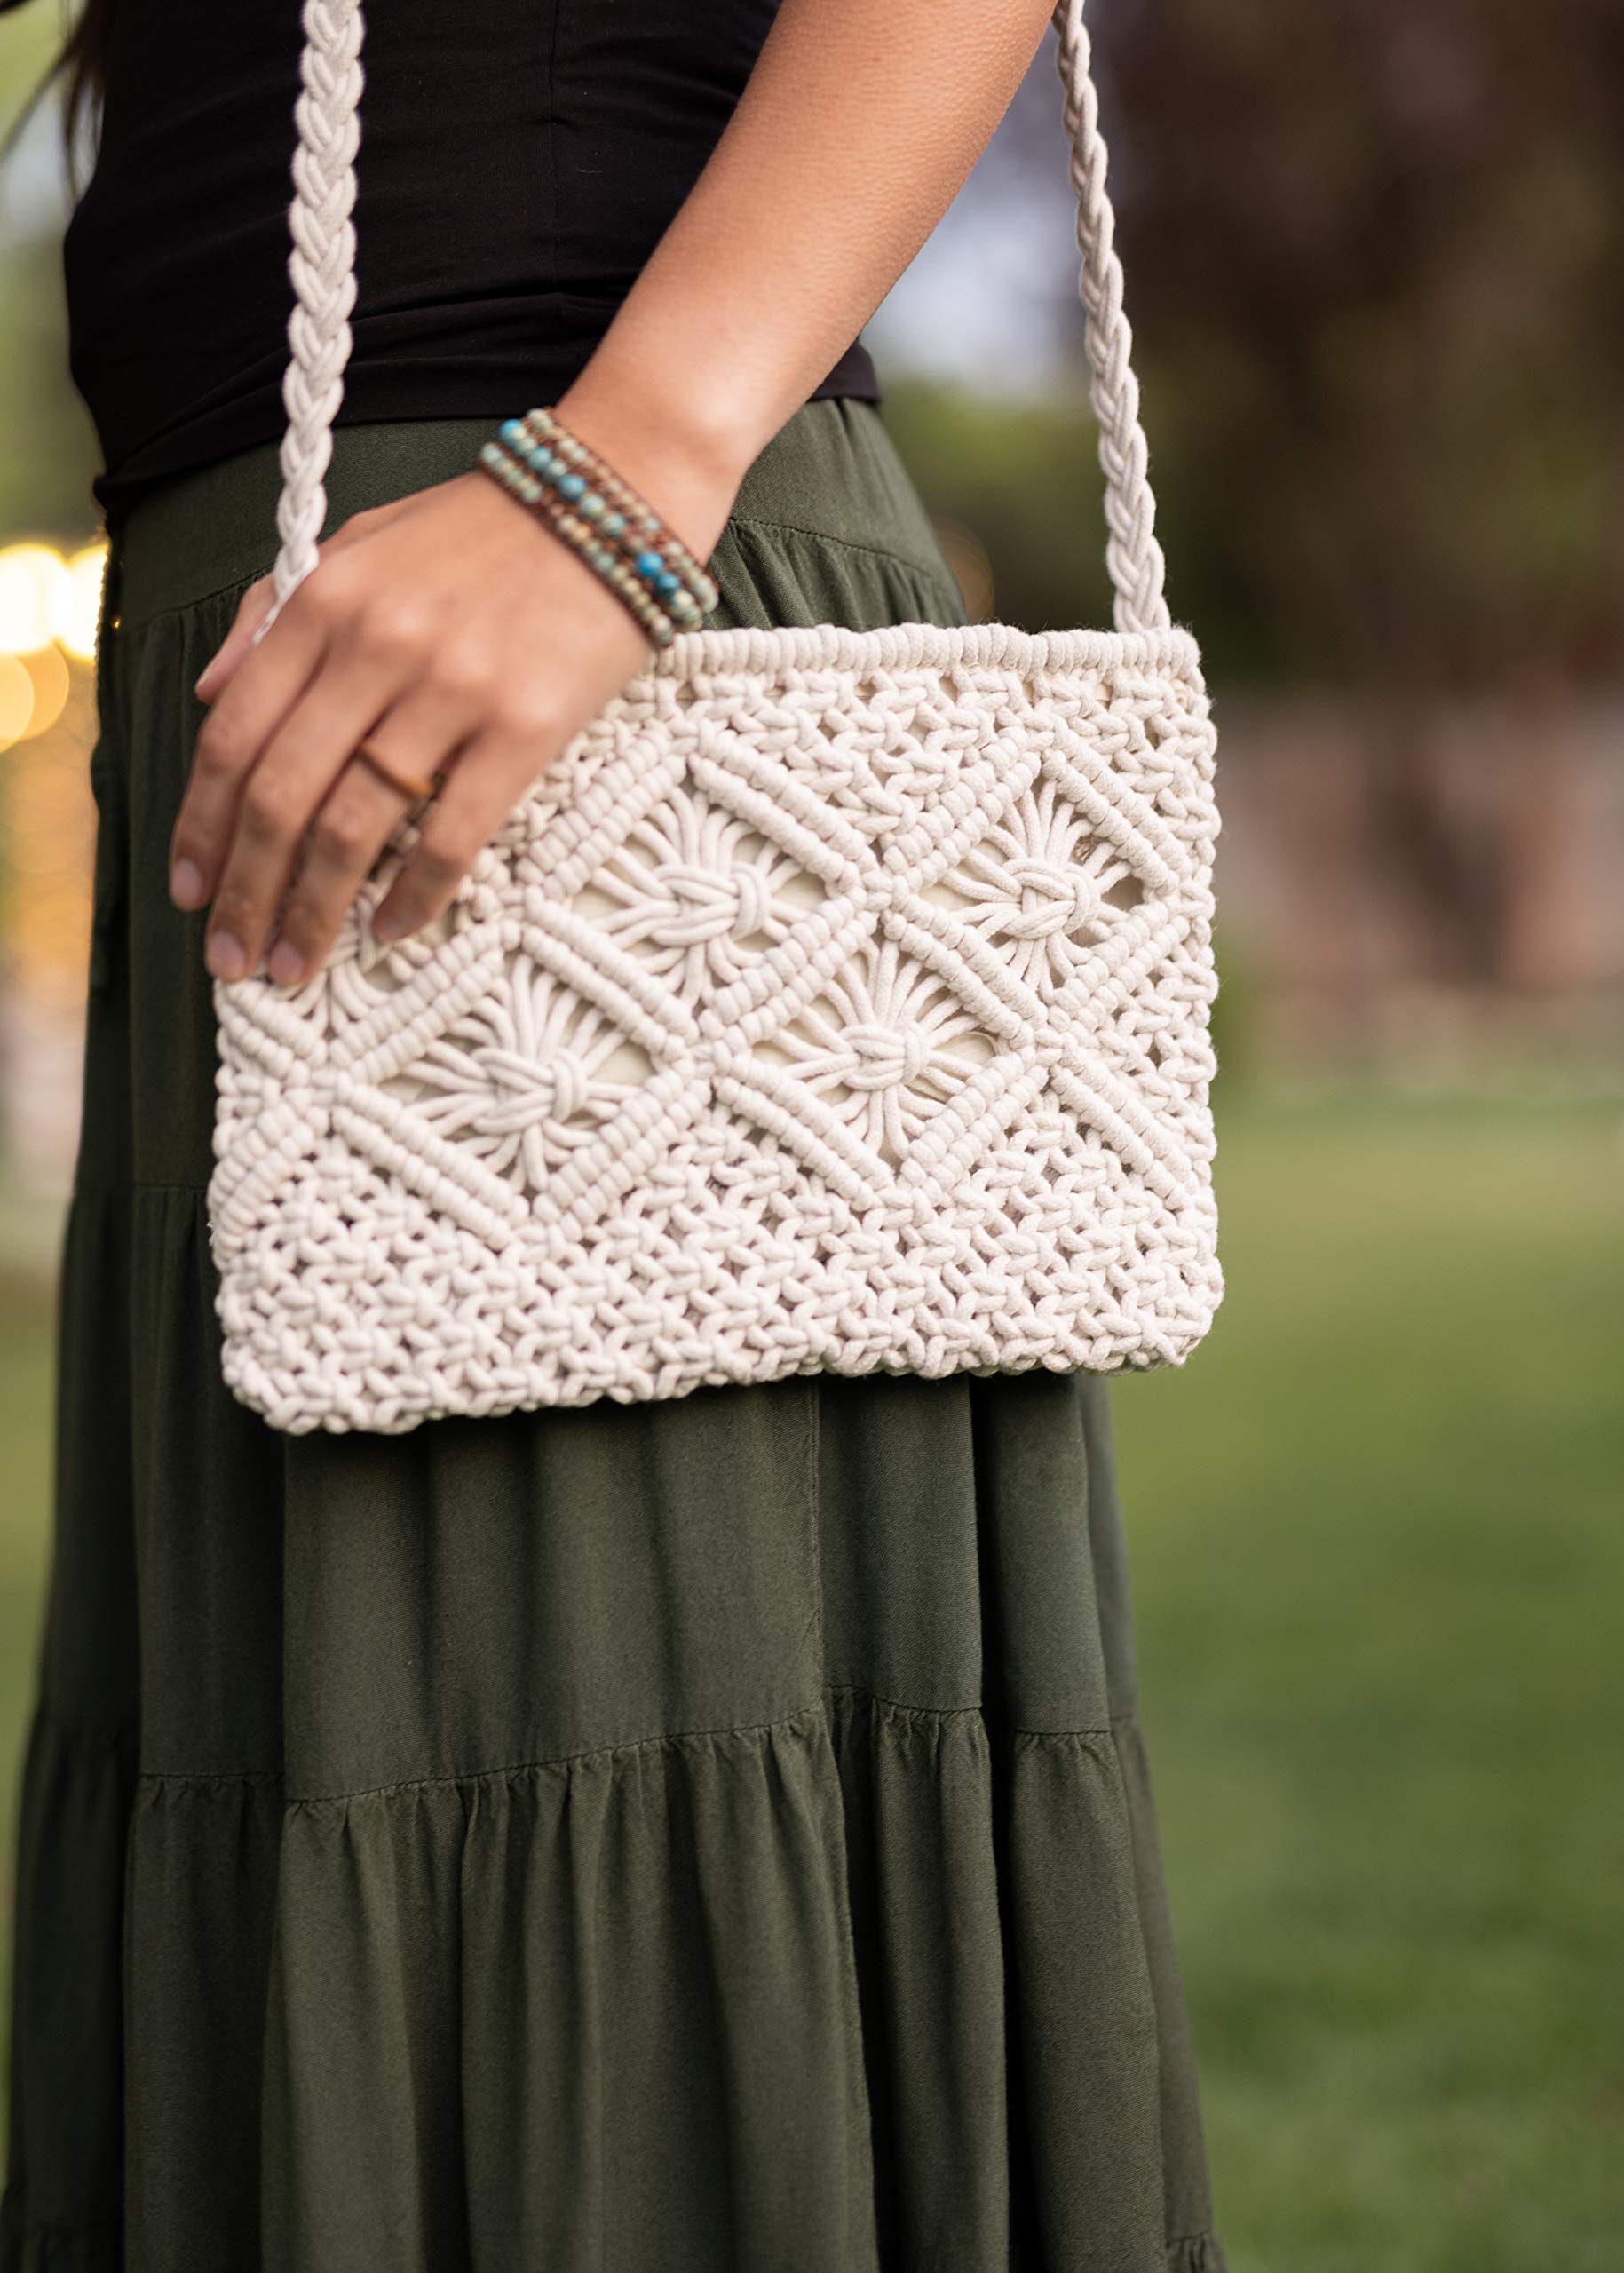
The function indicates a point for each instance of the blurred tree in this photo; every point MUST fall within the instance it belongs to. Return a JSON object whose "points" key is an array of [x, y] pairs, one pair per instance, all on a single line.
{"points": [[1376, 250], [1376, 261], [1025, 477], [1377, 278]]}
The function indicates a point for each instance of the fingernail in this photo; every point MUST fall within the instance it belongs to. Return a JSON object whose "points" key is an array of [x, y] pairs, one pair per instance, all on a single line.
{"points": [[225, 957], [388, 925], [286, 963], [187, 885]]}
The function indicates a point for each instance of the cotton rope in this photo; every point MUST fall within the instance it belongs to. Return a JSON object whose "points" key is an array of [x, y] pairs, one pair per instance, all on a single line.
{"points": [[838, 1000]]}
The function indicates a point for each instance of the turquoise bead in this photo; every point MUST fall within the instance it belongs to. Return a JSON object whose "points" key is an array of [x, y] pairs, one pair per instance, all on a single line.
{"points": [[592, 506], [614, 524], [571, 485], [649, 564], [667, 582]]}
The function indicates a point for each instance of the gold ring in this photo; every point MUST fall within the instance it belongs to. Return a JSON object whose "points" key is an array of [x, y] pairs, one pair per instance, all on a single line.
{"points": [[409, 785]]}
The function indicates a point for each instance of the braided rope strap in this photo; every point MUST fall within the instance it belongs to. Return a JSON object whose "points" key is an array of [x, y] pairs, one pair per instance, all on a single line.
{"points": [[322, 267], [1132, 553], [838, 1000]]}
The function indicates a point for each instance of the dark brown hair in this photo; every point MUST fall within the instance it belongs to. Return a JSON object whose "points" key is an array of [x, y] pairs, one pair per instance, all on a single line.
{"points": [[82, 66], [80, 71]]}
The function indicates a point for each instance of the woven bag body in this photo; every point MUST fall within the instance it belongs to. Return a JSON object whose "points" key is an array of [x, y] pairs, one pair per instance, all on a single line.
{"points": [[839, 1000]]}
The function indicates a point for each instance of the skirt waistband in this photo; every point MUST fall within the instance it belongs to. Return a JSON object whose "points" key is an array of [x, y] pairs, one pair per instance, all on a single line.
{"points": [[831, 471]]}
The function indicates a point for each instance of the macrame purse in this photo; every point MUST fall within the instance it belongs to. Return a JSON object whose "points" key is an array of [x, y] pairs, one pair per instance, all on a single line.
{"points": [[838, 1000]]}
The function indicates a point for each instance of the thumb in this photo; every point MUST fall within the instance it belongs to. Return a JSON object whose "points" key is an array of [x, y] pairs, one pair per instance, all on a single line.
{"points": [[218, 672], [255, 605]]}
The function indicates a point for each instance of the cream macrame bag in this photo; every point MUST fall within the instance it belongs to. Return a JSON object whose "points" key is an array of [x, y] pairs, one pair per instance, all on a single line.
{"points": [[838, 1000]]}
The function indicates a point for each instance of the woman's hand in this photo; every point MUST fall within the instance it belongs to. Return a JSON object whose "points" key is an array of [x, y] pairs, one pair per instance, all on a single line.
{"points": [[451, 630]]}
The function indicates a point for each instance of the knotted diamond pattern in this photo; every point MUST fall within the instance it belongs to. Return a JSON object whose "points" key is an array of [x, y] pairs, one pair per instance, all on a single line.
{"points": [[757, 1043]]}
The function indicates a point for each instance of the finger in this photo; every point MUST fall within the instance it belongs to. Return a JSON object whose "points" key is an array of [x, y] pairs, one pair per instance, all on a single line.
{"points": [[414, 740], [486, 779], [354, 824], [284, 794], [218, 671], [264, 688]]}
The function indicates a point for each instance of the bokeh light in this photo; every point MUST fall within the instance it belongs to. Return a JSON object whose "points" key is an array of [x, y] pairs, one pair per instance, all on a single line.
{"points": [[16, 700], [50, 604], [35, 588], [76, 605], [49, 683]]}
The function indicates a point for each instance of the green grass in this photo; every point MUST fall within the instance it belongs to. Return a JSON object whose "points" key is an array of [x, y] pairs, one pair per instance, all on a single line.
{"points": [[1378, 1567]]}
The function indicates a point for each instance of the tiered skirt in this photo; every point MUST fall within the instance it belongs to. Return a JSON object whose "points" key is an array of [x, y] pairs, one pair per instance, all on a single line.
{"points": [[702, 1837]]}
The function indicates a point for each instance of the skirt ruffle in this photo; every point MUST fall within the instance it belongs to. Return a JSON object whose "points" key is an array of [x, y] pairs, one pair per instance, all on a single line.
{"points": [[865, 1986]]}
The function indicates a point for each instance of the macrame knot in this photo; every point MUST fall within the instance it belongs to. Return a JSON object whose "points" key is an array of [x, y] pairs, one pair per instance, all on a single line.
{"points": [[883, 1057], [524, 1093], [1051, 899], [753, 897], [708, 904]]}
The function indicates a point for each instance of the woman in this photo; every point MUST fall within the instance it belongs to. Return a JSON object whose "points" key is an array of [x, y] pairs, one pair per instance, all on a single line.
{"points": [[704, 1833]]}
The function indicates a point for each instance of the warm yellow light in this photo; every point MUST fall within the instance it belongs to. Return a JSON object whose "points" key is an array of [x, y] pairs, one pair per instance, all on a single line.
{"points": [[16, 701], [49, 821], [49, 675], [76, 604], [31, 579]]}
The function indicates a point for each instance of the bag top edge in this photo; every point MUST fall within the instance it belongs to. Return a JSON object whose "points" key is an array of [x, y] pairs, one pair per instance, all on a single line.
{"points": [[753, 651]]}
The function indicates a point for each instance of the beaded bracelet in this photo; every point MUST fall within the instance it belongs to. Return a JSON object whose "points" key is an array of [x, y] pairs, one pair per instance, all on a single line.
{"points": [[560, 467], [587, 502], [516, 478], [659, 553]]}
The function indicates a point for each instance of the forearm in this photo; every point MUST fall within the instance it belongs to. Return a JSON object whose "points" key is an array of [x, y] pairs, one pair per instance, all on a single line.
{"points": [[858, 124]]}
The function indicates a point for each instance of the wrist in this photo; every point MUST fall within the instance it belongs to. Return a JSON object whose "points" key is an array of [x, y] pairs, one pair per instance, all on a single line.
{"points": [[686, 463]]}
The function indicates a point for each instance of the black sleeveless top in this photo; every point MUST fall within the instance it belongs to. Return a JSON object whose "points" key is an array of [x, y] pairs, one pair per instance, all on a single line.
{"points": [[517, 164]]}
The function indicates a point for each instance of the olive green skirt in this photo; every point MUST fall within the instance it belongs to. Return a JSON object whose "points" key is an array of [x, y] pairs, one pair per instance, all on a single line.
{"points": [[709, 1836]]}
